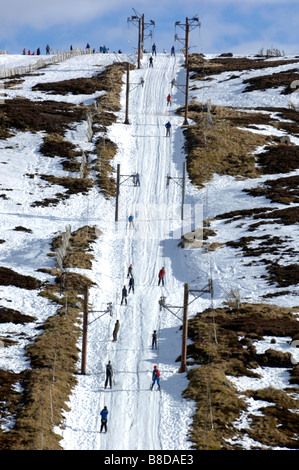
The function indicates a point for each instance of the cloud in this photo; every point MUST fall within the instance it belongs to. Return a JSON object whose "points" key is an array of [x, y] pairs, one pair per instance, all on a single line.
{"points": [[225, 24]]}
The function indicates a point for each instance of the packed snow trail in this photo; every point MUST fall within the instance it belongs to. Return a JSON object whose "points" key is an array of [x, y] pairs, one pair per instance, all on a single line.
{"points": [[139, 419]]}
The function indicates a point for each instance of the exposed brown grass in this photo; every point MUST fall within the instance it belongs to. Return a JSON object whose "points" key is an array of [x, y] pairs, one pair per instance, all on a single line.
{"points": [[72, 186], [280, 79], [54, 145], [226, 149], [8, 277], [25, 115], [47, 384], [283, 190], [279, 421], [223, 345], [106, 150], [78, 254], [202, 67], [53, 357]]}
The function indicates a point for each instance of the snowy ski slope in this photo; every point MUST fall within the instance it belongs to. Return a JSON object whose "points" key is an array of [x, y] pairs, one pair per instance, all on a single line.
{"points": [[139, 419]]}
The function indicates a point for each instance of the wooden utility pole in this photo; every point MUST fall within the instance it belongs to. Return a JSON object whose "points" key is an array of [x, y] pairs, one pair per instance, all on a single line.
{"points": [[207, 289], [185, 329], [189, 23], [187, 71], [117, 191], [187, 42], [84, 338], [183, 191], [186, 96], [142, 34], [142, 25], [139, 40], [127, 94]]}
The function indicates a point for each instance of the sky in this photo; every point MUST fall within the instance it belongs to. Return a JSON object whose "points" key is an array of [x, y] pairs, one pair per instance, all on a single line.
{"points": [[240, 27]]}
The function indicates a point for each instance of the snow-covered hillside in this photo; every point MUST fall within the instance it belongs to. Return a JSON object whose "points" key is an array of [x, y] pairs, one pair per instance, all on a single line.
{"points": [[139, 419]]}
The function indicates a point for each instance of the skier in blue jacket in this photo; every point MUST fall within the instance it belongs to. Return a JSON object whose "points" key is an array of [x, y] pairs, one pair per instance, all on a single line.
{"points": [[104, 415], [131, 221], [156, 378], [168, 127]]}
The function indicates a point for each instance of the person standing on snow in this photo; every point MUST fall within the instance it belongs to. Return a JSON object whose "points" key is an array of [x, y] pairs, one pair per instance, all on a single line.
{"points": [[124, 294], [130, 271], [161, 276], [131, 284], [156, 378], [131, 219], [137, 179], [168, 127], [154, 49], [154, 340], [150, 62], [104, 418], [115, 331], [169, 99], [109, 374]]}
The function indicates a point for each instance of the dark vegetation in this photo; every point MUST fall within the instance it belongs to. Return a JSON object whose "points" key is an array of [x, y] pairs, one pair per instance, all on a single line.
{"points": [[202, 68], [23, 115], [275, 80], [53, 354], [223, 339], [223, 347]]}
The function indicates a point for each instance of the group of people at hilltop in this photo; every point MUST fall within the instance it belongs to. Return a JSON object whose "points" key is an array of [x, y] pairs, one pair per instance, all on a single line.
{"points": [[38, 52], [102, 49]]}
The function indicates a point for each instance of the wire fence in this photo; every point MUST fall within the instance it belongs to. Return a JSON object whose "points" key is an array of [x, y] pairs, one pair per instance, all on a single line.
{"points": [[40, 63], [61, 251]]}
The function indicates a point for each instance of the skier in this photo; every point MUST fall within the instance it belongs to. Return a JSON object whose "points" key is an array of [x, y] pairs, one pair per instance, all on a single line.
{"points": [[47, 49], [168, 127], [109, 374], [137, 179], [104, 415], [124, 294], [131, 223], [156, 378], [130, 271], [115, 331], [161, 276], [131, 284], [154, 49], [169, 99], [150, 62], [154, 341], [172, 51]]}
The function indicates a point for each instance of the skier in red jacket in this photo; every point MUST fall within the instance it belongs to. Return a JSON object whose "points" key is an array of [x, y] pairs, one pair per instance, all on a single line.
{"points": [[156, 378], [161, 276], [169, 99]]}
